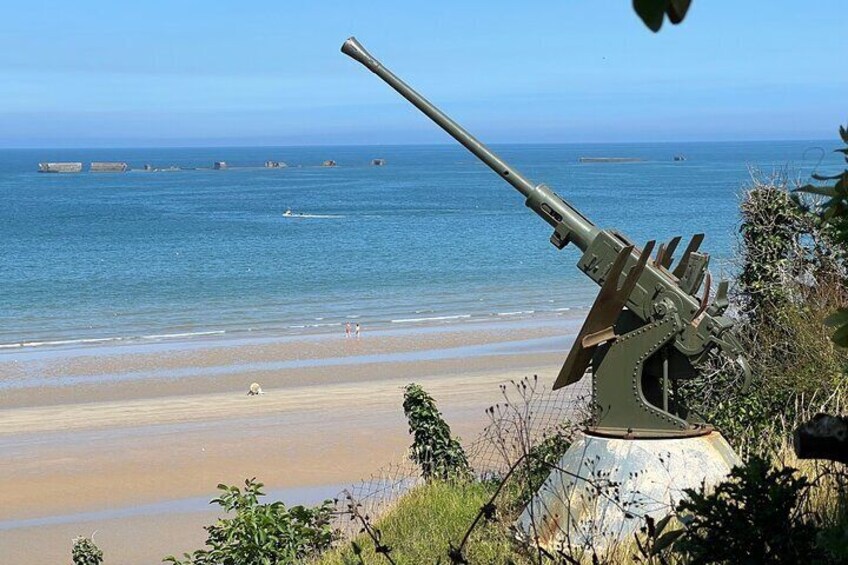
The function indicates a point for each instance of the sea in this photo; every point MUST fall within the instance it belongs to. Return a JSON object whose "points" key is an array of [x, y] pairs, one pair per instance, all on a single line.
{"points": [[431, 237]]}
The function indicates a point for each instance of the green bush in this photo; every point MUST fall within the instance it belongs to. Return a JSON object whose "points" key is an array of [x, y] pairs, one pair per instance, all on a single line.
{"points": [[790, 279], [262, 534], [85, 552], [753, 517], [439, 454], [771, 227]]}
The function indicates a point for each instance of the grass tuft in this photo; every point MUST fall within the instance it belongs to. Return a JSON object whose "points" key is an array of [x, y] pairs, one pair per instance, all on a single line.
{"points": [[425, 523]]}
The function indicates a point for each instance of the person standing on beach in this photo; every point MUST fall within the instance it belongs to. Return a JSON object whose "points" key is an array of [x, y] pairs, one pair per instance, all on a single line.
{"points": [[347, 329], [358, 330]]}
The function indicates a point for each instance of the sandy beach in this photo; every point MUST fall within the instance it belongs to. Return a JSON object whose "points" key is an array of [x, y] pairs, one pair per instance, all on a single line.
{"points": [[129, 441]]}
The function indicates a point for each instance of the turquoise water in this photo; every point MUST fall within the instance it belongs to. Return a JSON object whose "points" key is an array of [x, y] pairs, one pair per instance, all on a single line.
{"points": [[432, 236]]}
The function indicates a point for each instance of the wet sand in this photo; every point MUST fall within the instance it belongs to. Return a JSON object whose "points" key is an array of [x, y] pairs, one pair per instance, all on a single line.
{"points": [[129, 441]]}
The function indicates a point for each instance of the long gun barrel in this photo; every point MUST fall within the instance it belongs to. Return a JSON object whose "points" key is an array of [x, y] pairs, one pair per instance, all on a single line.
{"points": [[540, 198], [647, 321]]}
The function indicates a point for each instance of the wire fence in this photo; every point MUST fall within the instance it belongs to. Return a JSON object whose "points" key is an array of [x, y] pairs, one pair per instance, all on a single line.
{"points": [[527, 414]]}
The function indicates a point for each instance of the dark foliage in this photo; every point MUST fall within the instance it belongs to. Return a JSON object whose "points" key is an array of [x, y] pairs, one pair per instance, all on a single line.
{"points": [[439, 454], [653, 12], [753, 517]]}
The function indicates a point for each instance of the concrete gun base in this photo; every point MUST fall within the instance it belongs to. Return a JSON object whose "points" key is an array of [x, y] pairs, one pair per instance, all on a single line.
{"points": [[604, 487]]}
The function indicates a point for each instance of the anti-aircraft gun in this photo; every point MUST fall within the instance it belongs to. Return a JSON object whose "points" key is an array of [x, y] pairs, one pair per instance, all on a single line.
{"points": [[647, 329]]}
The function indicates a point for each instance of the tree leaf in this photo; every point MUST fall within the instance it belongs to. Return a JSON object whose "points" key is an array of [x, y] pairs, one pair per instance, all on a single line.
{"points": [[838, 318], [825, 177], [812, 189], [665, 541], [840, 336], [651, 12], [841, 187], [677, 9], [663, 523]]}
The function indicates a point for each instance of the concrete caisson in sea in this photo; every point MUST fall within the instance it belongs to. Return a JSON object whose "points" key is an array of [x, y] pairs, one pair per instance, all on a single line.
{"points": [[220, 165], [275, 165], [378, 162], [59, 167], [106, 167], [328, 163]]}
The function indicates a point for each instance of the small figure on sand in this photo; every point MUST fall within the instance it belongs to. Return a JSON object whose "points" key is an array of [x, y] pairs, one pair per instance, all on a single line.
{"points": [[347, 329], [255, 390], [358, 330]]}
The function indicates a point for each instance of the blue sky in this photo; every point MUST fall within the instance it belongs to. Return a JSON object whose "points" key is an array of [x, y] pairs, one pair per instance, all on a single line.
{"points": [[97, 73]]}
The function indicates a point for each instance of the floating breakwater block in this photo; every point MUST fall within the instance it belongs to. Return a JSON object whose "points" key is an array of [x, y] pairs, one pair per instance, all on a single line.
{"points": [[605, 487]]}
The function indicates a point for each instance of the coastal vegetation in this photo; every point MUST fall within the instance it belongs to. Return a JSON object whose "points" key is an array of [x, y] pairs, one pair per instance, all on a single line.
{"points": [[426, 525], [439, 454], [791, 279], [259, 533]]}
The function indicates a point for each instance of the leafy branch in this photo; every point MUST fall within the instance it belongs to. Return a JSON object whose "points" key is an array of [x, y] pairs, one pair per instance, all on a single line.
{"points": [[834, 212]]}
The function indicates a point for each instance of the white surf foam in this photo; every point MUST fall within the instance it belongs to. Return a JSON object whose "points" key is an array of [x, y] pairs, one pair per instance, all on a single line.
{"points": [[59, 342], [183, 334], [92, 340], [430, 319]]}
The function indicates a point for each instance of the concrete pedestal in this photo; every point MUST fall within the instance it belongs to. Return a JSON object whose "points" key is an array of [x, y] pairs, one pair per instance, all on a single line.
{"points": [[606, 486]]}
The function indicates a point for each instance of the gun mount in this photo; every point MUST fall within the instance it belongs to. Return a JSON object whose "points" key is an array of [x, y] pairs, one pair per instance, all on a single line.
{"points": [[648, 327]]}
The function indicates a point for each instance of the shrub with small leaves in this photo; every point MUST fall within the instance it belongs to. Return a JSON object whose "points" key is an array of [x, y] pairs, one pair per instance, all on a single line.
{"points": [[85, 552], [439, 454], [770, 230], [753, 517], [266, 534]]}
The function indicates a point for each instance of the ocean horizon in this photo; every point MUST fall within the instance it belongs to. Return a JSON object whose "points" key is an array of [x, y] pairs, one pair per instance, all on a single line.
{"points": [[824, 143], [431, 237]]}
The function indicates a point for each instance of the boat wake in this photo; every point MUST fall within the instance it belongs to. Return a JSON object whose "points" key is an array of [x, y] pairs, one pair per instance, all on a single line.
{"points": [[294, 216]]}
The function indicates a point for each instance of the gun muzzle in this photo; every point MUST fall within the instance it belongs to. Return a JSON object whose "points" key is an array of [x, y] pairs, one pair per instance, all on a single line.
{"points": [[354, 49]]}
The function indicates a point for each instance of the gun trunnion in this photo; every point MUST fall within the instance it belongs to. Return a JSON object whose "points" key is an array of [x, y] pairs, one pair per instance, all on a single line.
{"points": [[646, 330]]}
